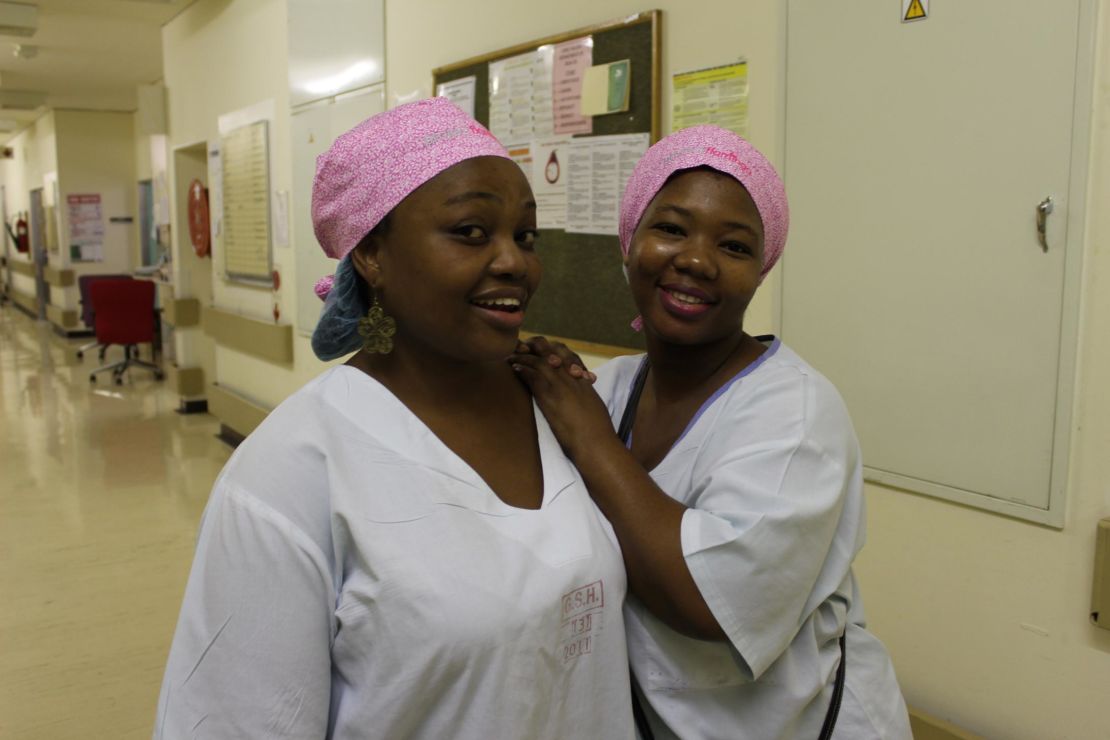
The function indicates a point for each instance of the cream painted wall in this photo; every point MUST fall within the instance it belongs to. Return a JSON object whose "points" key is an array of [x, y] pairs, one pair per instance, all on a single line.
{"points": [[220, 57], [194, 275], [96, 154], [143, 168], [34, 154]]}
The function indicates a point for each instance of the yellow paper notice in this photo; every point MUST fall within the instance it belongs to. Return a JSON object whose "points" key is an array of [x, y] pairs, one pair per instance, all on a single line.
{"points": [[718, 95]]}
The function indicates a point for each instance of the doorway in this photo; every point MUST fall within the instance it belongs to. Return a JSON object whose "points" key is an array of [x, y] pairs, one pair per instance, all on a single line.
{"points": [[149, 250], [38, 252]]}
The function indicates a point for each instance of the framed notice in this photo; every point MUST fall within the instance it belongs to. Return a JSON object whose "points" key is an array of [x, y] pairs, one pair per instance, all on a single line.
{"points": [[86, 227], [245, 155]]}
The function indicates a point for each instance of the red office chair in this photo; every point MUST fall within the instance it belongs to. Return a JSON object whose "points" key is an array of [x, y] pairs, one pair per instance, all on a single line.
{"points": [[124, 314], [83, 283]]}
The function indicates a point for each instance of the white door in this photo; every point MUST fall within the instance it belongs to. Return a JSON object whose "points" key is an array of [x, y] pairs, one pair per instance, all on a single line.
{"points": [[916, 156]]}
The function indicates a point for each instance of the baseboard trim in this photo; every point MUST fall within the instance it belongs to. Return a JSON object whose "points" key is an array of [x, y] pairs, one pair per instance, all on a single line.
{"points": [[28, 304], [63, 318], [229, 436], [237, 413], [927, 727], [194, 406]]}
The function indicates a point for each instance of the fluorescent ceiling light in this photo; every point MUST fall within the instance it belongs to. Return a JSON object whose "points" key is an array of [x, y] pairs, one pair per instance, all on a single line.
{"points": [[341, 81], [18, 19]]}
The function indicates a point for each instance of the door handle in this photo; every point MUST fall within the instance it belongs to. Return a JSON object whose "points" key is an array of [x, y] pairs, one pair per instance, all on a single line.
{"points": [[1043, 209]]}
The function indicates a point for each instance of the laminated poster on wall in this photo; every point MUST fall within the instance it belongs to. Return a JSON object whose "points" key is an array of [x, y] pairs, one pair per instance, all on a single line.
{"points": [[86, 227], [718, 95]]}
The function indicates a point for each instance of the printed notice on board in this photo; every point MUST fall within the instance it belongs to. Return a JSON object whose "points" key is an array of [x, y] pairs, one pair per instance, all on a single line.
{"points": [[460, 92], [522, 155], [718, 95], [597, 169], [572, 59], [520, 99], [549, 182], [86, 228]]}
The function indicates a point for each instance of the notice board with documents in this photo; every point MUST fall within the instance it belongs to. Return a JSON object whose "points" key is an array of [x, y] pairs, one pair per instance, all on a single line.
{"points": [[576, 110]]}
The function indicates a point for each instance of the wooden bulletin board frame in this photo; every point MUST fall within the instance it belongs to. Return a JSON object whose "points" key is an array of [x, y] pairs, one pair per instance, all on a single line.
{"points": [[584, 299]]}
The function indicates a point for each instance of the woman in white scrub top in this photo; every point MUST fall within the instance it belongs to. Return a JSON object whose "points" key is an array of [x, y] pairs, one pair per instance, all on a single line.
{"points": [[401, 549], [734, 482]]}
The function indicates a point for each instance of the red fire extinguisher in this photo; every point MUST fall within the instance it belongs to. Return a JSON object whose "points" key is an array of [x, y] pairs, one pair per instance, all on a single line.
{"points": [[22, 236]]}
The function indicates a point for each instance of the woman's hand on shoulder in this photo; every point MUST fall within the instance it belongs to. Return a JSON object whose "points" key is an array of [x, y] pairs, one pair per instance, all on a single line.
{"points": [[556, 354], [563, 389]]}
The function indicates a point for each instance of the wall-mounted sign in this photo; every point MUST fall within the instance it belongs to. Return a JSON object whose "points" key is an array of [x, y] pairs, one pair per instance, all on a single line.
{"points": [[914, 10]]}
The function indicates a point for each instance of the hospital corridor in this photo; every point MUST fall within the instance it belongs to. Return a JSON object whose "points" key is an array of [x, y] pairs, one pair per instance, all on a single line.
{"points": [[101, 491]]}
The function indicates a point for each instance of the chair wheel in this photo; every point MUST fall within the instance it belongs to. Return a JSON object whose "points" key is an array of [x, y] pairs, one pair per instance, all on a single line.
{"points": [[92, 378], [119, 381], [80, 355], [159, 375]]}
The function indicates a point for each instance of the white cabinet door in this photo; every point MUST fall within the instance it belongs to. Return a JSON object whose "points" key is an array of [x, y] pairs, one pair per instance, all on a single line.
{"points": [[335, 46], [314, 128], [916, 155]]}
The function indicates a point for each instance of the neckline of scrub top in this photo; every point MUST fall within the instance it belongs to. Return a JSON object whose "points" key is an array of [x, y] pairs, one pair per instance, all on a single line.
{"points": [[772, 344], [412, 439]]}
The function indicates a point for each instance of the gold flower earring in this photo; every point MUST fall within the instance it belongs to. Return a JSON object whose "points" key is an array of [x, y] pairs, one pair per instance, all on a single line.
{"points": [[377, 330]]}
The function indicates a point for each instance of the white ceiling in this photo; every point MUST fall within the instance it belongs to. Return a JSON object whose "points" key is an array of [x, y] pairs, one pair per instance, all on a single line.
{"points": [[91, 54]]}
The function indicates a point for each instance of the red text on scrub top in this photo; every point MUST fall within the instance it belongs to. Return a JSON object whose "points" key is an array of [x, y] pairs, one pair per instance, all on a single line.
{"points": [[580, 611]]}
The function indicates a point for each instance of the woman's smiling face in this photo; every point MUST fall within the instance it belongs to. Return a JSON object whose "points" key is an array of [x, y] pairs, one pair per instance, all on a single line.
{"points": [[696, 258], [457, 264]]}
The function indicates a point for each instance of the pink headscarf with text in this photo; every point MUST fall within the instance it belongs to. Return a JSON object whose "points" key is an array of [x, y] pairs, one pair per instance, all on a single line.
{"points": [[370, 169], [724, 151]]}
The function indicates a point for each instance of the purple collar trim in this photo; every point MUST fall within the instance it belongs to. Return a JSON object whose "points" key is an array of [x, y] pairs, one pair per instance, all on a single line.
{"points": [[772, 348]]}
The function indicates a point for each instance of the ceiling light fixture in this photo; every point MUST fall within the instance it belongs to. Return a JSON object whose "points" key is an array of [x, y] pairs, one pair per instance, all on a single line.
{"points": [[341, 81], [18, 19]]}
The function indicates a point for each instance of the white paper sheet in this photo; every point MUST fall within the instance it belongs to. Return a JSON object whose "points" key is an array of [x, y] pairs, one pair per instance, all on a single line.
{"points": [[520, 105], [598, 168], [549, 182], [460, 92]]}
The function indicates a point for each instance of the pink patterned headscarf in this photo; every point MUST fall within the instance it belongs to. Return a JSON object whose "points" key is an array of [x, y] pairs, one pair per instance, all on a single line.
{"points": [[377, 164], [709, 146]]}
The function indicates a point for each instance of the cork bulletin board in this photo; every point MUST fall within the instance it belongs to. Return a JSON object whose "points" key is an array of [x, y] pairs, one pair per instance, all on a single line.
{"points": [[583, 297]]}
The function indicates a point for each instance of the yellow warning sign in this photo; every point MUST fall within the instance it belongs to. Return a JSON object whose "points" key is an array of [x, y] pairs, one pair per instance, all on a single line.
{"points": [[914, 10]]}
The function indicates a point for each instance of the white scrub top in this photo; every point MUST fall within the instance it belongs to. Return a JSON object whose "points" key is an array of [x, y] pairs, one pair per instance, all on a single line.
{"points": [[354, 578], [770, 470]]}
